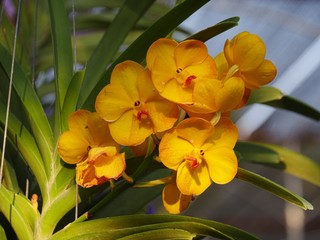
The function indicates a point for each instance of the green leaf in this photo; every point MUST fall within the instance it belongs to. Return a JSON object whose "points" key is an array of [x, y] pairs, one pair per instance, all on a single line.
{"points": [[38, 119], [136, 225], [216, 29], [129, 14], [297, 164], [25, 143], [170, 233], [275, 98], [257, 153], [2, 233], [10, 177], [70, 103], [63, 64], [138, 49], [274, 188], [59, 207], [139, 197], [19, 212]]}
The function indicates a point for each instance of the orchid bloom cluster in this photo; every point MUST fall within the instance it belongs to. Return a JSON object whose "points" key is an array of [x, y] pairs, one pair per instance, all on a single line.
{"points": [[143, 101]]}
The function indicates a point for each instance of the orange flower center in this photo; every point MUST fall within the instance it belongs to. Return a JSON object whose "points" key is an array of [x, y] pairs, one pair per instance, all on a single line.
{"points": [[194, 159], [184, 78], [140, 112], [188, 81]]}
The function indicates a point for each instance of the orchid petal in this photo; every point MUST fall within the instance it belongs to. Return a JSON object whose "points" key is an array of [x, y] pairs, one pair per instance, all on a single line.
{"points": [[230, 94], [173, 201], [162, 47], [222, 164], [194, 130], [73, 147], [260, 76], [193, 181], [225, 135], [129, 131], [190, 52], [112, 102], [172, 150]]}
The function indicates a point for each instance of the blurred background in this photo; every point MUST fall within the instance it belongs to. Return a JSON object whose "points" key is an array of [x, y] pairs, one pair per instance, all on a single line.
{"points": [[291, 32]]}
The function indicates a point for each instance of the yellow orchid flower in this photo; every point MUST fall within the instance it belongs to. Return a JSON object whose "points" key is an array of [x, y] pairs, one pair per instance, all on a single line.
{"points": [[88, 144], [102, 164], [186, 74], [173, 200], [133, 107], [245, 55], [200, 153]]}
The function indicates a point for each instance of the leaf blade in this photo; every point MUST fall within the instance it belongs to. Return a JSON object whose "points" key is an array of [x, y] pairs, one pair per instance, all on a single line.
{"points": [[275, 98], [122, 226], [274, 188], [216, 29], [297, 164]]}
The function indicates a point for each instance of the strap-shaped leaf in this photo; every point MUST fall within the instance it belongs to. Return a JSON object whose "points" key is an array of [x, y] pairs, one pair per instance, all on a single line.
{"points": [[2, 233], [273, 97], [70, 103], [136, 225], [38, 120], [216, 29], [137, 50], [297, 164], [60, 30], [129, 14], [60, 205], [19, 212], [257, 153], [25, 143], [274, 188]]}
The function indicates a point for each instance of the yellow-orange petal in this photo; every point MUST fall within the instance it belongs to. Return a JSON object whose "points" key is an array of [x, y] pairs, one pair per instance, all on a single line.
{"points": [[85, 175], [225, 135], [164, 79], [245, 50], [173, 200], [78, 122], [193, 181], [129, 131], [99, 130], [112, 102], [207, 69], [107, 162], [190, 52], [203, 96], [230, 95], [263, 75], [222, 164], [73, 147], [162, 47], [163, 114], [221, 65], [173, 149], [127, 74], [195, 130]]}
